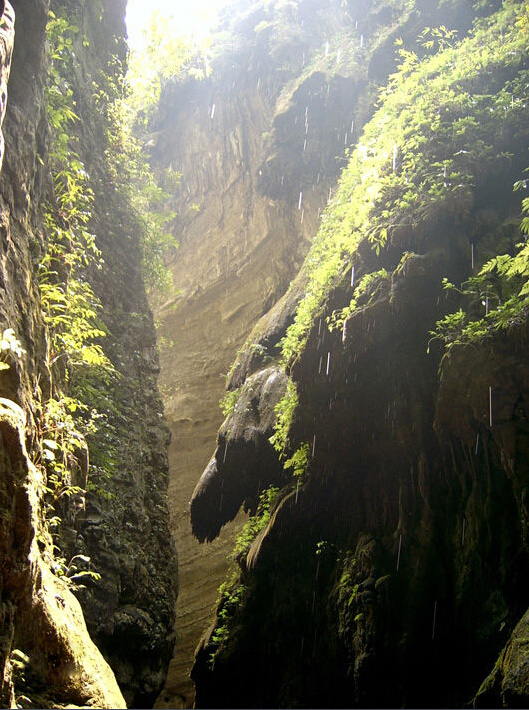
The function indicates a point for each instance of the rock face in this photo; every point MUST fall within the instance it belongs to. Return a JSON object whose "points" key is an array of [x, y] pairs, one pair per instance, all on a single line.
{"points": [[260, 144], [392, 568], [119, 527]]}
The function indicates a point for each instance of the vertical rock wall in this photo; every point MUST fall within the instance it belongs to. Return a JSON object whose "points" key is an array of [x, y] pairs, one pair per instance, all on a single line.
{"points": [[259, 145], [47, 655], [43, 629], [392, 571]]}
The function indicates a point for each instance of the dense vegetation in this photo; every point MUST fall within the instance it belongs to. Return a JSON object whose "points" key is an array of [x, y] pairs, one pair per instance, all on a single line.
{"points": [[427, 151]]}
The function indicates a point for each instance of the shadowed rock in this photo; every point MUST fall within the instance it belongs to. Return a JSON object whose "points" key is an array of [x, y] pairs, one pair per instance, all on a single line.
{"points": [[245, 461]]}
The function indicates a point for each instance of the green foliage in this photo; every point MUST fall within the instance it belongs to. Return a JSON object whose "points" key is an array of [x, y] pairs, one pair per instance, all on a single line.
{"points": [[232, 591], [129, 173], [163, 55], [72, 572], [69, 305], [432, 140], [299, 461], [60, 443], [229, 401], [435, 39], [495, 299], [255, 523], [284, 410], [81, 371], [347, 588], [337, 319], [231, 594]]}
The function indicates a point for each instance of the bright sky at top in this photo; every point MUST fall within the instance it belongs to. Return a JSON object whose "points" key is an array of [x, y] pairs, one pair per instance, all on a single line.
{"points": [[185, 17]]}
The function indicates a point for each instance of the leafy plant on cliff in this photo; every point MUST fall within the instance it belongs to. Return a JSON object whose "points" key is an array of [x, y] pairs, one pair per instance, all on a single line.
{"points": [[129, 174], [284, 411], [232, 590], [72, 312], [299, 461], [163, 55], [255, 523], [337, 319], [230, 596], [229, 400], [432, 141], [495, 299]]}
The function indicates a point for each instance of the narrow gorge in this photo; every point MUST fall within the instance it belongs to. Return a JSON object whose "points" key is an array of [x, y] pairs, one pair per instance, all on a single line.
{"points": [[325, 409]]}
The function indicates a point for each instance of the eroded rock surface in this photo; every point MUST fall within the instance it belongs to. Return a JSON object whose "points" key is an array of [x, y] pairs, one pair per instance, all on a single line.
{"points": [[259, 144], [398, 559], [48, 658]]}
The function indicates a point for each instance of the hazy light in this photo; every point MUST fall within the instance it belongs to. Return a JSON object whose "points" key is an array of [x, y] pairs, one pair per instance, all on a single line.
{"points": [[184, 17]]}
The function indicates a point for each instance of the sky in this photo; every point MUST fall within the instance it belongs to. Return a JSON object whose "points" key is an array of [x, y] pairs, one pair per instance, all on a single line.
{"points": [[189, 17]]}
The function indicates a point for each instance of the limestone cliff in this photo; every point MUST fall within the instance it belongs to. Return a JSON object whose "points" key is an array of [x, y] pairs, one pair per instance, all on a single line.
{"points": [[259, 143], [387, 564], [75, 508]]}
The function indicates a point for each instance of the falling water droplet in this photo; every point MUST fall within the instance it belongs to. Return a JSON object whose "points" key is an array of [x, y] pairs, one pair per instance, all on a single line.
{"points": [[297, 490], [326, 49], [302, 215], [477, 444], [345, 138], [225, 452], [212, 112], [472, 255], [463, 532], [313, 445], [361, 40], [328, 363], [490, 406], [352, 276], [394, 157], [321, 363], [398, 554], [352, 126], [305, 145], [300, 200]]}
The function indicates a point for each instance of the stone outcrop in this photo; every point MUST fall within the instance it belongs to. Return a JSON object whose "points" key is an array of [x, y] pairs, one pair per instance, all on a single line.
{"points": [[221, 491]]}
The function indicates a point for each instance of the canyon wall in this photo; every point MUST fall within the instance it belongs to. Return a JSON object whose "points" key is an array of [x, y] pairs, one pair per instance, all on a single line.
{"points": [[386, 565], [260, 144], [75, 508]]}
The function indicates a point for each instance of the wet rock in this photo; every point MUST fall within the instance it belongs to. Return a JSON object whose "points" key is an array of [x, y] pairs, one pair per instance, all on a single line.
{"points": [[228, 483]]}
